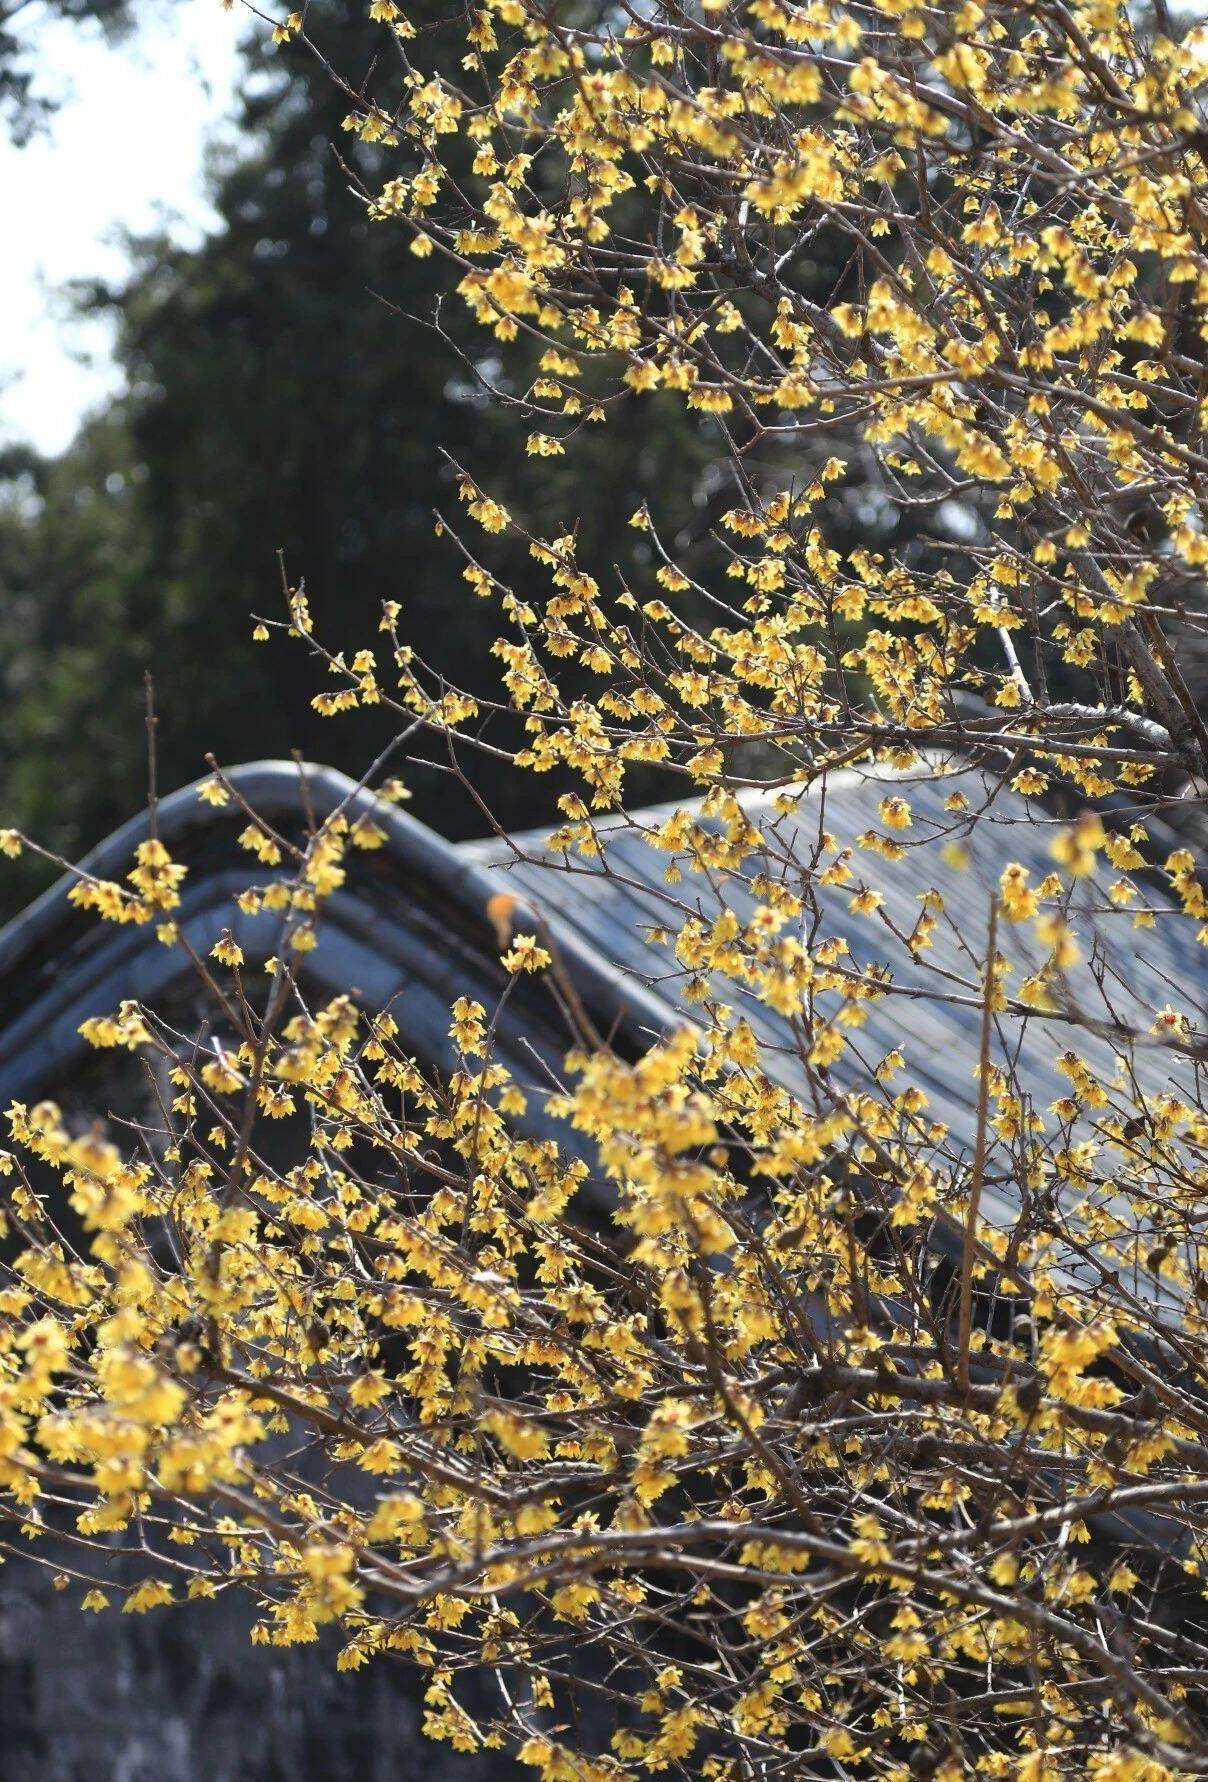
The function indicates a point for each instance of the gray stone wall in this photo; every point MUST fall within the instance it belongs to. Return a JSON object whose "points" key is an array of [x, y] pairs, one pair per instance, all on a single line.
{"points": [[181, 1695]]}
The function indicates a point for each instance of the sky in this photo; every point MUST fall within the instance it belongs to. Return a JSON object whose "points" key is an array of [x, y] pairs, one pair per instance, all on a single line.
{"points": [[125, 150]]}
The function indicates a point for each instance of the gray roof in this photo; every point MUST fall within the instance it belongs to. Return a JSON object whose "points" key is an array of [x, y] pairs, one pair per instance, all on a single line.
{"points": [[410, 928], [931, 1011]]}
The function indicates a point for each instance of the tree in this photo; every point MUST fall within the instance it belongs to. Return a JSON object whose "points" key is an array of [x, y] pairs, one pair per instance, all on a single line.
{"points": [[21, 109], [287, 391], [729, 1463]]}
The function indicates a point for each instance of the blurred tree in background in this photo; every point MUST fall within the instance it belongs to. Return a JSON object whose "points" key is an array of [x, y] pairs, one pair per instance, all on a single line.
{"points": [[21, 108], [288, 393]]}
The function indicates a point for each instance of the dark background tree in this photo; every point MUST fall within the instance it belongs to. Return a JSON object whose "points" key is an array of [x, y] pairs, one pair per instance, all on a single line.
{"points": [[21, 108], [285, 393]]}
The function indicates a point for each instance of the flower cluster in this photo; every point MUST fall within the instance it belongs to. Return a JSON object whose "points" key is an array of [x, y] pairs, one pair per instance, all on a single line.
{"points": [[732, 1416]]}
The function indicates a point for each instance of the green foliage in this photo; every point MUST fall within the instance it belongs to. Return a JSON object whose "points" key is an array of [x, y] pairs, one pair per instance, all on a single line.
{"points": [[287, 393]]}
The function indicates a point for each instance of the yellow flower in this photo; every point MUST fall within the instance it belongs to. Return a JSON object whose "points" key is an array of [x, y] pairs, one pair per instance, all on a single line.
{"points": [[526, 954], [226, 950]]}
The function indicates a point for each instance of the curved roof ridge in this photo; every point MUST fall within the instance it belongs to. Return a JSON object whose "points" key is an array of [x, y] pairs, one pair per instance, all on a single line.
{"points": [[59, 965]]}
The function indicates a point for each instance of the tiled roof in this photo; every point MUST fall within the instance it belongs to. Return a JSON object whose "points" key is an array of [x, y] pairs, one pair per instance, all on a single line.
{"points": [[932, 1011], [411, 929]]}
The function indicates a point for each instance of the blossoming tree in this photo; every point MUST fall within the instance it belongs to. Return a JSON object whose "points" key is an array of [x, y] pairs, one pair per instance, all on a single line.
{"points": [[732, 1481]]}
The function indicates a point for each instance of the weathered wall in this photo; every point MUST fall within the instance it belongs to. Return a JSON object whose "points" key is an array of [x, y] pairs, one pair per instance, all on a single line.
{"points": [[181, 1695]]}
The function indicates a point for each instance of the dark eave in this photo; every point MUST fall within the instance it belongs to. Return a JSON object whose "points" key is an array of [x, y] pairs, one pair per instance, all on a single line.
{"points": [[409, 930]]}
